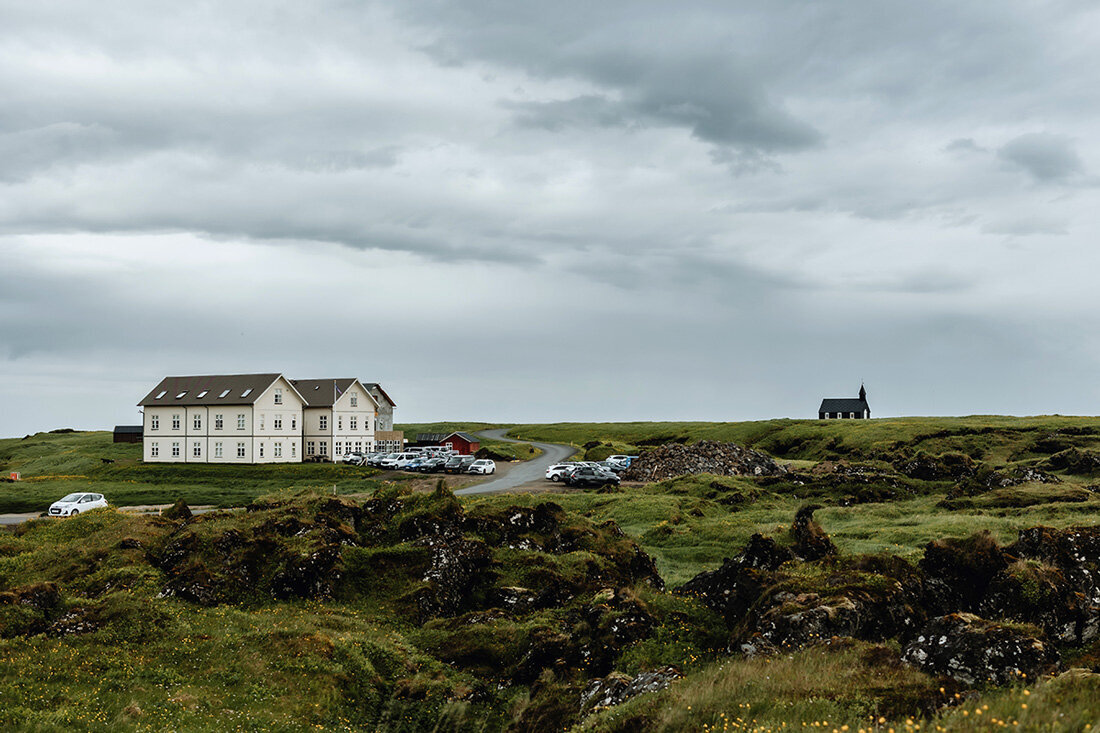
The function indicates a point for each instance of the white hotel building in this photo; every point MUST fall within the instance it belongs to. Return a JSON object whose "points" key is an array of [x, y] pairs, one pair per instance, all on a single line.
{"points": [[257, 418]]}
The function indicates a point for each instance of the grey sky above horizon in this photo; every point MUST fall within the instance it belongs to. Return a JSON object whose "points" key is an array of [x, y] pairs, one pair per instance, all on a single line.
{"points": [[543, 212]]}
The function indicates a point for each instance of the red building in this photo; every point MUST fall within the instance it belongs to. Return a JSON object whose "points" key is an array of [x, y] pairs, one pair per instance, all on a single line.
{"points": [[464, 443]]}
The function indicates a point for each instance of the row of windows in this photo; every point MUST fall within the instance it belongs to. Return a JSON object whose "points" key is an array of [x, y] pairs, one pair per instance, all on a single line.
{"points": [[219, 422], [196, 450], [841, 415]]}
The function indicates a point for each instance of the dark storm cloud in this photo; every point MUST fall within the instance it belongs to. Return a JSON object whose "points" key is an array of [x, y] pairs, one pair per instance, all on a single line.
{"points": [[1045, 156]]}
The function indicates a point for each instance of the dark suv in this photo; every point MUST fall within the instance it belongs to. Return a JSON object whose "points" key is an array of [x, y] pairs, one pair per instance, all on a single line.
{"points": [[589, 476], [458, 464]]}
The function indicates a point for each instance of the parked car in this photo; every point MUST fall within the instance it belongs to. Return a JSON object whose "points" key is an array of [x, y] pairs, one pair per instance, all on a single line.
{"points": [[612, 466], [458, 464], [403, 461], [74, 504], [589, 476], [431, 465], [484, 466], [355, 459], [377, 458], [397, 460], [623, 461], [558, 471]]}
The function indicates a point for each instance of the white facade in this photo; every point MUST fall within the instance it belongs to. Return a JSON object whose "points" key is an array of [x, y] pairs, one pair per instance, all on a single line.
{"points": [[345, 426], [267, 431]]}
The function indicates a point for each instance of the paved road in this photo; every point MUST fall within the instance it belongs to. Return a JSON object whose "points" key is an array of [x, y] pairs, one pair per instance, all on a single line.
{"points": [[521, 473]]}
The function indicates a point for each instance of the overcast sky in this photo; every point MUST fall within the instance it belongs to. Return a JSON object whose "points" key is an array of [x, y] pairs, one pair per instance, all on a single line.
{"points": [[552, 211]]}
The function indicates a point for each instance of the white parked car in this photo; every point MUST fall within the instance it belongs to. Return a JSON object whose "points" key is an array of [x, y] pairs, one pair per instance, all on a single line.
{"points": [[559, 471], [483, 466], [74, 504]]}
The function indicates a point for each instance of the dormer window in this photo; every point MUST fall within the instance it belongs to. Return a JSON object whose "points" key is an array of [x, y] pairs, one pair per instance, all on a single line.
{"points": [[246, 392], [181, 394], [162, 393], [202, 394], [223, 394]]}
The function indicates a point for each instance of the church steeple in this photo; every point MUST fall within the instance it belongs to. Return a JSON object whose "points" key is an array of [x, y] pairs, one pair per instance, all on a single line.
{"points": [[862, 392]]}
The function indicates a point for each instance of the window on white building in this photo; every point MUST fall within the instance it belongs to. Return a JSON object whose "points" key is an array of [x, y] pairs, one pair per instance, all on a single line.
{"points": [[246, 392], [293, 422], [353, 423], [196, 422], [261, 450], [354, 400], [217, 450], [324, 447], [196, 450], [311, 449], [240, 450], [278, 422], [358, 446], [278, 450], [223, 394], [181, 394], [339, 448], [161, 394], [278, 396], [175, 422], [154, 422], [240, 422], [175, 450], [293, 449], [219, 422], [323, 420], [154, 450], [202, 394], [340, 422], [261, 422]]}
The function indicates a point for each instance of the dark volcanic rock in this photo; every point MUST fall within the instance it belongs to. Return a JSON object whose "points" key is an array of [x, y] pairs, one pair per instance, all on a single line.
{"points": [[29, 609], [958, 571], [617, 687], [1075, 553], [811, 542], [973, 650], [1040, 594], [456, 568], [732, 588], [706, 456], [949, 466], [1076, 461], [308, 576], [870, 597], [177, 511]]}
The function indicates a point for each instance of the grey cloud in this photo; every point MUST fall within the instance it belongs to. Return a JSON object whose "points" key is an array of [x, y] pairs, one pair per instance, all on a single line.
{"points": [[589, 110], [1046, 157], [1025, 226], [964, 145]]}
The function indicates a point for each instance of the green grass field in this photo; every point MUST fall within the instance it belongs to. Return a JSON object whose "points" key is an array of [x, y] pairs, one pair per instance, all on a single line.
{"points": [[55, 464]]}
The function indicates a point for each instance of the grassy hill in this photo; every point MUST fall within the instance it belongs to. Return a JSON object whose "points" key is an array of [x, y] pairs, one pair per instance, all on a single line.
{"points": [[984, 437], [408, 612]]}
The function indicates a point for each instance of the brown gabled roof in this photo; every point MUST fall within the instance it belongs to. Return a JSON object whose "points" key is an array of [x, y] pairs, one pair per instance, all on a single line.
{"points": [[322, 392], [377, 386], [239, 389]]}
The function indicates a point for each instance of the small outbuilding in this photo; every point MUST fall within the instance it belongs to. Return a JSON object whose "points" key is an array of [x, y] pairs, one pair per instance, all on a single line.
{"points": [[844, 408], [464, 443], [128, 433]]}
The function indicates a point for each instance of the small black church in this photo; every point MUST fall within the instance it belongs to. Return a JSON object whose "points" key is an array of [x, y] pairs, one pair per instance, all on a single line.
{"points": [[845, 409]]}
